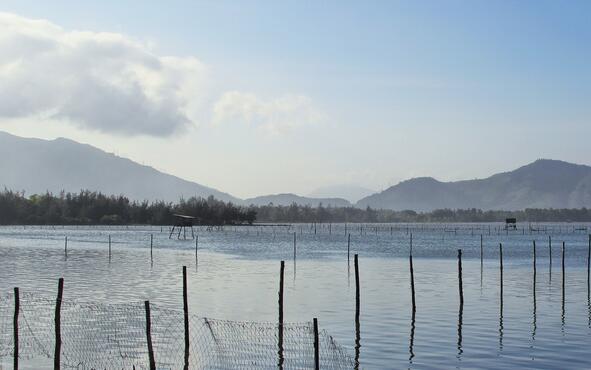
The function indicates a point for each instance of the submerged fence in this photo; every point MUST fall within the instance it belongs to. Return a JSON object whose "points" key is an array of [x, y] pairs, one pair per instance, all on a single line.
{"points": [[126, 336]]}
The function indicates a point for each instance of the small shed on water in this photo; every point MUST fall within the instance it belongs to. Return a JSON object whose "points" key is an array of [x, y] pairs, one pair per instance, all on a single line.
{"points": [[511, 223], [182, 222]]}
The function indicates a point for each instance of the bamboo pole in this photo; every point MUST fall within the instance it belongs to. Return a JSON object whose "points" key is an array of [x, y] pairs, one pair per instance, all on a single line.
{"points": [[294, 246], [281, 274], [357, 314], [186, 317], [349, 247], [316, 346], [589, 265], [412, 283], [501, 271], [461, 288], [58, 323], [17, 308], [149, 336]]}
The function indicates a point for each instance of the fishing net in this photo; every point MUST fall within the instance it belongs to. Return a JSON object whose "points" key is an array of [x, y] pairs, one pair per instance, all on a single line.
{"points": [[100, 336]]}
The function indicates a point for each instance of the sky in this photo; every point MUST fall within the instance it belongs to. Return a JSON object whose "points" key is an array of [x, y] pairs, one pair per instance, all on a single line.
{"points": [[260, 97]]}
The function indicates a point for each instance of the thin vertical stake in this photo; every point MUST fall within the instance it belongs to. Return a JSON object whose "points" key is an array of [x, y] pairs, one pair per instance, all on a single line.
{"points": [[149, 336], [17, 308], [58, 324], [281, 273], [461, 287], [316, 346], [186, 317], [348, 247]]}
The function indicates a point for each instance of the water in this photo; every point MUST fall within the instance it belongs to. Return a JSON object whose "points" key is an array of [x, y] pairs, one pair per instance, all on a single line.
{"points": [[236, 278]]}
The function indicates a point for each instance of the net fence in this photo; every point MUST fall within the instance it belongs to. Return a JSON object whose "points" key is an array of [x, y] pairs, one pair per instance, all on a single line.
{"points": [[101, 336]]}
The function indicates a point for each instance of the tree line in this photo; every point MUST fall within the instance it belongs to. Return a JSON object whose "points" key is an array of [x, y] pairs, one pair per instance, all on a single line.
{"points": [[90, 207], [297, 213]]}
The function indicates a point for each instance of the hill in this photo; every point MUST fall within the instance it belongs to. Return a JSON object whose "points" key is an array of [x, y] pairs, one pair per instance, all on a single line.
{"points": [[38, 166], [542, 184]]}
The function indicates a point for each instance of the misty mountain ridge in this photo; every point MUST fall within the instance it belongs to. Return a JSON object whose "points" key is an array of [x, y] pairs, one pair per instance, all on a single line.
{"points": [[288, 199], [352, 193], [37, 166], [544, 183]]}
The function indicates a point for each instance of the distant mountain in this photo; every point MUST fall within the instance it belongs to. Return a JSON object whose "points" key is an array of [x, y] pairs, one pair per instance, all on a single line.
{"points": [[288, 199], [37, 166], [352, 193], [541, 184]]}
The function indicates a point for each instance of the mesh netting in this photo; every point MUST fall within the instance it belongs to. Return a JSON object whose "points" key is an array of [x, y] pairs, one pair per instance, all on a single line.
{"points": [[114, 337]]}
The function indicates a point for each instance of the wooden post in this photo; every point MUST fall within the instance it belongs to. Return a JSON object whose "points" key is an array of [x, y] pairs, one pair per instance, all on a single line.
{"points": [[501, 270], [357, 309], [348, 247], [534, 242], [196, 245], [17, 307], [563, 271], [461, 288], [151, 247], [281, 273], [412, 284], [294, 246], [58, 325], [186, 317], [149, 336], [550, 250], [411, 243], [109, 246], [481, 251], [357, 295], [589, 265], [66, 247], [316, 346]]}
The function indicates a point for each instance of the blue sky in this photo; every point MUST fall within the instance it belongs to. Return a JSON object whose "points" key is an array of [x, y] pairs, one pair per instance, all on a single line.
{"points": [[392, 89]]}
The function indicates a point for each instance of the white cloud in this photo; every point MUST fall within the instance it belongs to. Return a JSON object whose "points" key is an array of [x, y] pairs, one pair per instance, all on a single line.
{"points": [[100, 81], [274, 115]]}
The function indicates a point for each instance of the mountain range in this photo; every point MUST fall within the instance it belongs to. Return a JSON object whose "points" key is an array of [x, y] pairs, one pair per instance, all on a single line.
{"points": [[542, 184], [38, 166]]}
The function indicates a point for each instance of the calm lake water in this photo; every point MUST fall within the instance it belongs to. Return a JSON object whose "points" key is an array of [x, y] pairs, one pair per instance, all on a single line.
{"points": [[236, 277]]}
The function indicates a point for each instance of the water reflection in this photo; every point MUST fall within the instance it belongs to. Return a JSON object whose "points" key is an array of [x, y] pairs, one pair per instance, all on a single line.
{"points": [[460, 321], [245, 271]]}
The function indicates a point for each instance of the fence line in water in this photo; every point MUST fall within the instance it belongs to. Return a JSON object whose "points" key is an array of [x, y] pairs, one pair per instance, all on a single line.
{"points": [[144, 336]]}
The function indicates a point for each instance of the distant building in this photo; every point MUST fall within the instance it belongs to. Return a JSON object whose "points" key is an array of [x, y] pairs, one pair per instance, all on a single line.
{"points": [[511, 223]]}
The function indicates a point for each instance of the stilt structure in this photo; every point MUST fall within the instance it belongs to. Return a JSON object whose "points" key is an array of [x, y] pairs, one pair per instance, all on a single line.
{"points": [[181, 223]]}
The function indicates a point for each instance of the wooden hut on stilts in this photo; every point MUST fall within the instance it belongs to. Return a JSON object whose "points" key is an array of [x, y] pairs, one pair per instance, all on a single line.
{"points": [[182, 222]]}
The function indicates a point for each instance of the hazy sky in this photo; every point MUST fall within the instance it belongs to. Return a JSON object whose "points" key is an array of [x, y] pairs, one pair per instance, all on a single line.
{"points": [[255, 97]]}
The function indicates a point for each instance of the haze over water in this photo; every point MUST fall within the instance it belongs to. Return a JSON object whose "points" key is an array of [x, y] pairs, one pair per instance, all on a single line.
{"points": [[236, 277]]}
